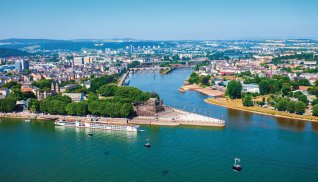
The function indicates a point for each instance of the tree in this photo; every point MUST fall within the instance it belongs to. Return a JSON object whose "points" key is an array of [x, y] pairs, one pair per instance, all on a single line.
{"points": [[294, 85], [297, 94], [303, 82], [92, 97], [132, 93], [304, 99], [314, 102], [291, 107], [93, 107], [7, 105], [126, 110], [43, 85], [282, 105], [264, 87], [34, 105], [70, 108], [205, 80], [108, 90], [313, 90], [247, 101], [300, 107], [55, 104], [286, 89], [56, 107], [315, 110], [81, 108], [194, 78], [12, 84], [234, 89], [96, 83]]}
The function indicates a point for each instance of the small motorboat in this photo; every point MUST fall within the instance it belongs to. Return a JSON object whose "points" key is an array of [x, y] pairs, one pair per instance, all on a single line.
{"points": [[237, 167], [147, 145], [27, 120], [90, 134]]}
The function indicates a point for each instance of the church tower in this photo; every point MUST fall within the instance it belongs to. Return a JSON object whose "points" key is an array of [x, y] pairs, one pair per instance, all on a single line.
{"points": [[53, 86]]}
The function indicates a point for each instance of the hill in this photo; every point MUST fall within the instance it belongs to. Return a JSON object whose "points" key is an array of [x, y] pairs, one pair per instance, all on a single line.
{"points": [[5, 52]]}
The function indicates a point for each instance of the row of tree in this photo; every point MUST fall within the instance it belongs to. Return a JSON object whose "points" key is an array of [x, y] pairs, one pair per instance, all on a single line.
{"points": [[285, 103], [64, 105], [118, 102]]}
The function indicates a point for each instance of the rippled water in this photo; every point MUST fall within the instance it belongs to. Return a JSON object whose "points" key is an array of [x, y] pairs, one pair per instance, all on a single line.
{"points": [[270, 149]]}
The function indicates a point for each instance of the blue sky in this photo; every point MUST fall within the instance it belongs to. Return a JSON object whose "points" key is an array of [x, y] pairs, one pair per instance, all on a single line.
{"points": [[159, 19]]}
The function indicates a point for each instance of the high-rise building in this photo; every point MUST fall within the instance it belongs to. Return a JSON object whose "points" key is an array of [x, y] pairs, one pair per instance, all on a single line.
{"points": [[131, 49], [78, 60], [25, 64], [21, 65], [18, 65], [107, 51], [86, 60]]}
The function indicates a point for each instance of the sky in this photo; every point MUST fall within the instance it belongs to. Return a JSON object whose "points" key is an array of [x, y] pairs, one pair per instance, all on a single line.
{"points": [[159, 19]]}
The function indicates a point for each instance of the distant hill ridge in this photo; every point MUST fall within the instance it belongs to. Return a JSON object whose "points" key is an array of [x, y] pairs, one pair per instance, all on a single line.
{"points": [[5, 52]]}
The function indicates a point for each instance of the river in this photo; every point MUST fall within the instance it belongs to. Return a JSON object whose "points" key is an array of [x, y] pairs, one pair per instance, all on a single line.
{"points": [[270, 149]]}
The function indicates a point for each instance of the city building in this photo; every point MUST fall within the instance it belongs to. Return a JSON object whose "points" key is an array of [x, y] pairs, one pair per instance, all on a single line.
{"points": [[4, 92], [78, 60], [252, 88]]}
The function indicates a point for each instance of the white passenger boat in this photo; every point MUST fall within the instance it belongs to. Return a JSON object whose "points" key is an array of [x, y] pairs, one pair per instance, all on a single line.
{"points": [[97, 125]]}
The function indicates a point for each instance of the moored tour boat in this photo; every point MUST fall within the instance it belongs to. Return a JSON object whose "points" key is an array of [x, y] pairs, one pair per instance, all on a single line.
{"points": [[97, 125]]}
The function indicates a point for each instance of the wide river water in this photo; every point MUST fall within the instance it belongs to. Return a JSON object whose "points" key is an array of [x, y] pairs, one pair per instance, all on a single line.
{"points": [[270, 149]]}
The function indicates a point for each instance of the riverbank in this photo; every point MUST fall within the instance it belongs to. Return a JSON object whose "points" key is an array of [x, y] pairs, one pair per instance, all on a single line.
{"points": [[123, 78], [170, 117], [197, 88], [237, 105]]}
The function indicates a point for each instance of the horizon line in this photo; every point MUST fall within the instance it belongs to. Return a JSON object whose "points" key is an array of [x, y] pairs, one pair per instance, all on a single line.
{"points": [[133, 39]]}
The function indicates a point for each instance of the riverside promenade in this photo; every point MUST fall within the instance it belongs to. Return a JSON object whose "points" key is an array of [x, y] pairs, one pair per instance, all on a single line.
{"points": [[169, 117], [123, 78]]}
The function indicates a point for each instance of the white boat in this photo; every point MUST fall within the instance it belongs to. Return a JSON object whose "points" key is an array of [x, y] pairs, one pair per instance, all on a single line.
{"points": [[237, 167], [27, 120], [97, 125]]}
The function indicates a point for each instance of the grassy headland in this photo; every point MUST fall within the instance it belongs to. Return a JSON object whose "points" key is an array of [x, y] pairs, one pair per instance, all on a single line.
{"points": [[237, 104]]}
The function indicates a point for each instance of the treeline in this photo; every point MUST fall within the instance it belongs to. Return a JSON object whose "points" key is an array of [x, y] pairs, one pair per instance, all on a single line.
{"points": [[288, 105], [305, 56], [276, 84], [131, 94], [218, 56], [204, 63], [118, 102], [282, 97], [100, 107]]}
